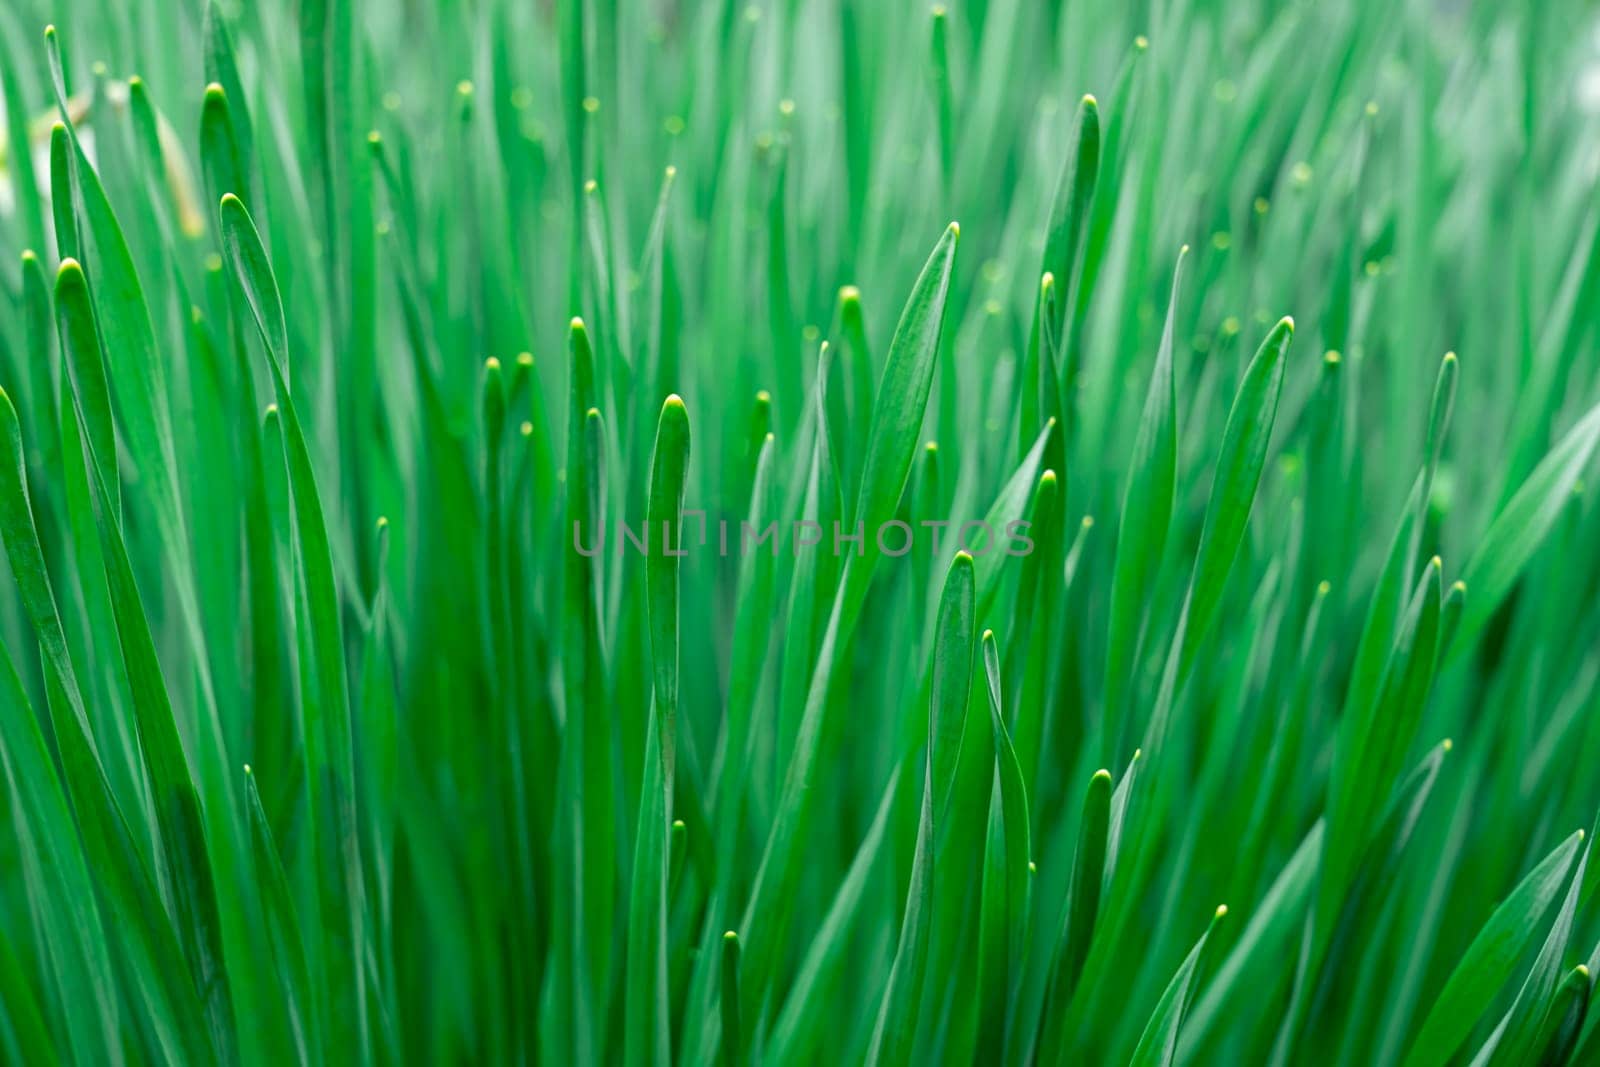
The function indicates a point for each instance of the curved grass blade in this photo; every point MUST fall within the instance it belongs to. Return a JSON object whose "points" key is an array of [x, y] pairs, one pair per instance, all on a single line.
{"points": [[893, 1035], [1146, 512], [1233, 492], [797, 1031], [648, 1037], [1518, 1037], [1489, 961], [283, 926], [896, 424], [1159, 1042], [1007, 882], [1082, 907], [1519, 529], [327, 723], [732, 1028]]}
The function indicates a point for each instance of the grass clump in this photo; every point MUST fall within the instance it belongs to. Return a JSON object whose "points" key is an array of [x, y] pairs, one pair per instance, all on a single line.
{"points": [[530, 535]]}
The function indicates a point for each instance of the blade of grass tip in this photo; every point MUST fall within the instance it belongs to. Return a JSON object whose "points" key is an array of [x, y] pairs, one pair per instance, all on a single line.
{"points": [[1146, 512], [86, 370], [221, 69], [893, 1035], [732, 1029], [1233, 491], [1558, 1042], [1268, 938], [283, 925], [1489, 961], [1516, 1039], [1082, 906], [63, 211], [902, 398], [1074, 197], [139, 373], [677, 851], [226, 168], [1519, 529], [327, 729], [1455, 605], [590, 816], [1007, 880], [1159, 1042], [1119, 815], [648, 1037], [1064, 241], [851, 350], [939, 53], [1041, 390]]}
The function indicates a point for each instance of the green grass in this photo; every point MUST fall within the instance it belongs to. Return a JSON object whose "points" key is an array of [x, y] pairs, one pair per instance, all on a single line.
{"points": [[1261, 728]]}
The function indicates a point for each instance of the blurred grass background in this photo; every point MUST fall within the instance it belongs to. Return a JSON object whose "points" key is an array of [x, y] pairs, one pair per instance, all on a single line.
{"points": [[434, 855]]}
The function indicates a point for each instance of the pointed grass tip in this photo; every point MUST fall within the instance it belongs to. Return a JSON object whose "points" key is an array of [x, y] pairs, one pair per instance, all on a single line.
{"points": [[576, 325], [383, 522], [674, 401], [1102, 773], [1088, 524], [29, 256], [1222, 909], [731, 937], [68, 266], [1090, 102], [214, 91], [1447, 744], [964, 558], [247, 771], [525, 359], [492, 364]]}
